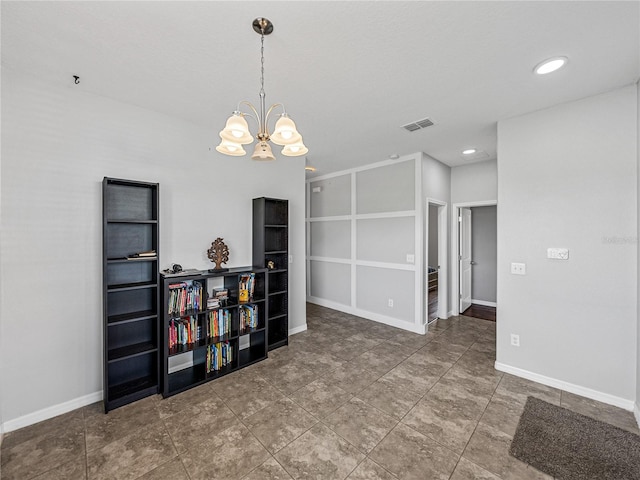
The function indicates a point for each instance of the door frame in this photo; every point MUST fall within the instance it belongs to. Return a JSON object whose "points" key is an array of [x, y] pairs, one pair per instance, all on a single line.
{"points": [[443, 258], [455, 249]]}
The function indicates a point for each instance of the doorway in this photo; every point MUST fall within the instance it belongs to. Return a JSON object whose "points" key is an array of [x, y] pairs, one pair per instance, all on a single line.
{"points": [[436, 261], [475, 260]]}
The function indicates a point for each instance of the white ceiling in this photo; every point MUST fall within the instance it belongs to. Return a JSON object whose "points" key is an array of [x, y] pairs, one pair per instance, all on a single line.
{"points": [[349, 73]]}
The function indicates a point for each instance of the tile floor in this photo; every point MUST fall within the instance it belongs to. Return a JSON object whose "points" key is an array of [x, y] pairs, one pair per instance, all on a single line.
{"points": [[348, 398]]}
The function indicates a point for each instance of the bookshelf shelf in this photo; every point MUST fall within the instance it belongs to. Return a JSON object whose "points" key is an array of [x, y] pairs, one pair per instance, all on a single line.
{"points": [[271, 244], [132, 286], [130, 291], [204, 344], [131, 317], [129, 351]]}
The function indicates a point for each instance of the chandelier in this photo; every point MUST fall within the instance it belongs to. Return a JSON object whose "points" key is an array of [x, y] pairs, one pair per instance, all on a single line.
{"points": [[236, 131]]}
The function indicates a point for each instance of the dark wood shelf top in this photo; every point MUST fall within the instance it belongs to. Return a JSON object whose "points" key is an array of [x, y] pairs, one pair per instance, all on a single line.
{"points": [[117, 354], [276, 317], [129, 260], [131, 286], [132, 220], [275, 225], [274, 252], [279, 292], [278, 270], [189, 347], [278, 344], [249, 331]]}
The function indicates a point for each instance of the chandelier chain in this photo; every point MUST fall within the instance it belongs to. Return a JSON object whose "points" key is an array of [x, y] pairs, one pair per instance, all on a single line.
{"points": [[262, 64]]}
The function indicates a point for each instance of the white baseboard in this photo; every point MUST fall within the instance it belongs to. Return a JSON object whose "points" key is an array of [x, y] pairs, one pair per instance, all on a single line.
{"points": [[450, 314], [484, 303], [301, 328], [636, 413], [50, 412], [568, 387], [376, 317]]}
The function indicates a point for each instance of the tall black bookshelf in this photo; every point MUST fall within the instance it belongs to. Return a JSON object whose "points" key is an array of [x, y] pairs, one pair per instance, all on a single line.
{"points": [[194, 331], [271, 249], [130, 290]]}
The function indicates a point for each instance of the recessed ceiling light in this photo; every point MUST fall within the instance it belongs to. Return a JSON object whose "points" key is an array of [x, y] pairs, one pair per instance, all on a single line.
{"points": [[469, 151], [550, 65]]}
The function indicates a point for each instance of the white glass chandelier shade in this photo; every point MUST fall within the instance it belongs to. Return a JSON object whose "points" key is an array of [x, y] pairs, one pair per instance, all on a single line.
{"points": [[263, 152], [295, 149], [231, 148], [285, 132], [237, 130]]}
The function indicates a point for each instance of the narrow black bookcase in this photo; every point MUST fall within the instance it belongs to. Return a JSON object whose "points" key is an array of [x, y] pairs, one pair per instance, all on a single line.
{"points": [[130, 251], [213, 323], [271, 249]]}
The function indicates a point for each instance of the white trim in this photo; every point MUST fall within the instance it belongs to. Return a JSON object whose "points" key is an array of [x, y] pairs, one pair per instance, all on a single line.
{"points": [[420, 305], [568, 387], [391, 266], [455, 249], [373, 216], [336, 218], [450, 314], [369, 166], [636, 413], [300, 329], [376, 317], [353, 271], [484, 303], [443, 254], [50, 412], [307, 239], [329, 259]]}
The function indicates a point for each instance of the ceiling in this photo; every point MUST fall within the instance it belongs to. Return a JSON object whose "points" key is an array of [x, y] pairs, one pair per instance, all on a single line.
{"points": [[349, 73]]}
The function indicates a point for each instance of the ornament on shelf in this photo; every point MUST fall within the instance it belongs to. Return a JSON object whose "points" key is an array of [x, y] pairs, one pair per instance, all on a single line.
{"points": [[218, 254]]}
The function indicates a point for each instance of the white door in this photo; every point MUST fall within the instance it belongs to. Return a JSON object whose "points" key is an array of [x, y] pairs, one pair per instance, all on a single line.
{"points": [[465, 258]]}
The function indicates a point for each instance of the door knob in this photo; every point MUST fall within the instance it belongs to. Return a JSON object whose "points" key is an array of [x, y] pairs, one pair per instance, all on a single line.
{"points": [[473, 263]]}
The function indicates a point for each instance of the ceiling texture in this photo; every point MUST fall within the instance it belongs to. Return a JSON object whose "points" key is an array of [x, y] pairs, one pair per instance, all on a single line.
{"points": [[349, 73]]}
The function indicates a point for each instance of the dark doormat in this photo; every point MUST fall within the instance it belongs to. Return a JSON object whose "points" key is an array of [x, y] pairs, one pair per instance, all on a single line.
{"points": [[570, 446]]}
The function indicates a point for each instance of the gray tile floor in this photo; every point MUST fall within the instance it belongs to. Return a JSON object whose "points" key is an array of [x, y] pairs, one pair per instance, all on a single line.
{"points": [[348, 398]]}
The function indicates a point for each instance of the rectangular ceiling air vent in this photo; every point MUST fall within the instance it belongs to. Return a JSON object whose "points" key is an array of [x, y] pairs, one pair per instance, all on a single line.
{"points": [[418, 124]]}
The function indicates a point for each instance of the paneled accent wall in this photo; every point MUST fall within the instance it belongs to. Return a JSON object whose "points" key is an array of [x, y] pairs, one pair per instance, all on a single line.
{"points": [[364, 242]]}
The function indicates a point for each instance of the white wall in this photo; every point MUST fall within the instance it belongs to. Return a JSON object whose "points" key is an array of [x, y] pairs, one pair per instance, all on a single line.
{"points": [[354, 216], [566, 180], [57, 145], [432, 253], [476, 182], [484, 231]]}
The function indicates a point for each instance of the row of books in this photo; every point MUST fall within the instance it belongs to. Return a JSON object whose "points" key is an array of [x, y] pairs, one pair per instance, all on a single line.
{"points": [[188, 330], [247, 283], [248, 317], [184, 331], [219, 355], [219, 298], [219, 323], [184, 297]]}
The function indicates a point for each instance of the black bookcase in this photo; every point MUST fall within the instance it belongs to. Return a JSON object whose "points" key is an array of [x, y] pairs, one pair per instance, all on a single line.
{"points": [[130, 290], [271, 249], [186, 356]]}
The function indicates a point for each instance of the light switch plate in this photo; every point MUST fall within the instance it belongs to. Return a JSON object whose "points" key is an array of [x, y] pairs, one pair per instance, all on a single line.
{"points": [[519, 268], [558, 253]]}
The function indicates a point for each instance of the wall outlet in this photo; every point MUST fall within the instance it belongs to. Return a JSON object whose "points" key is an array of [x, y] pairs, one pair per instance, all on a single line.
{"points": [[411, 258], [558, 253], [519, 268], [391, 302], [290, 258], [515, 340]]}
